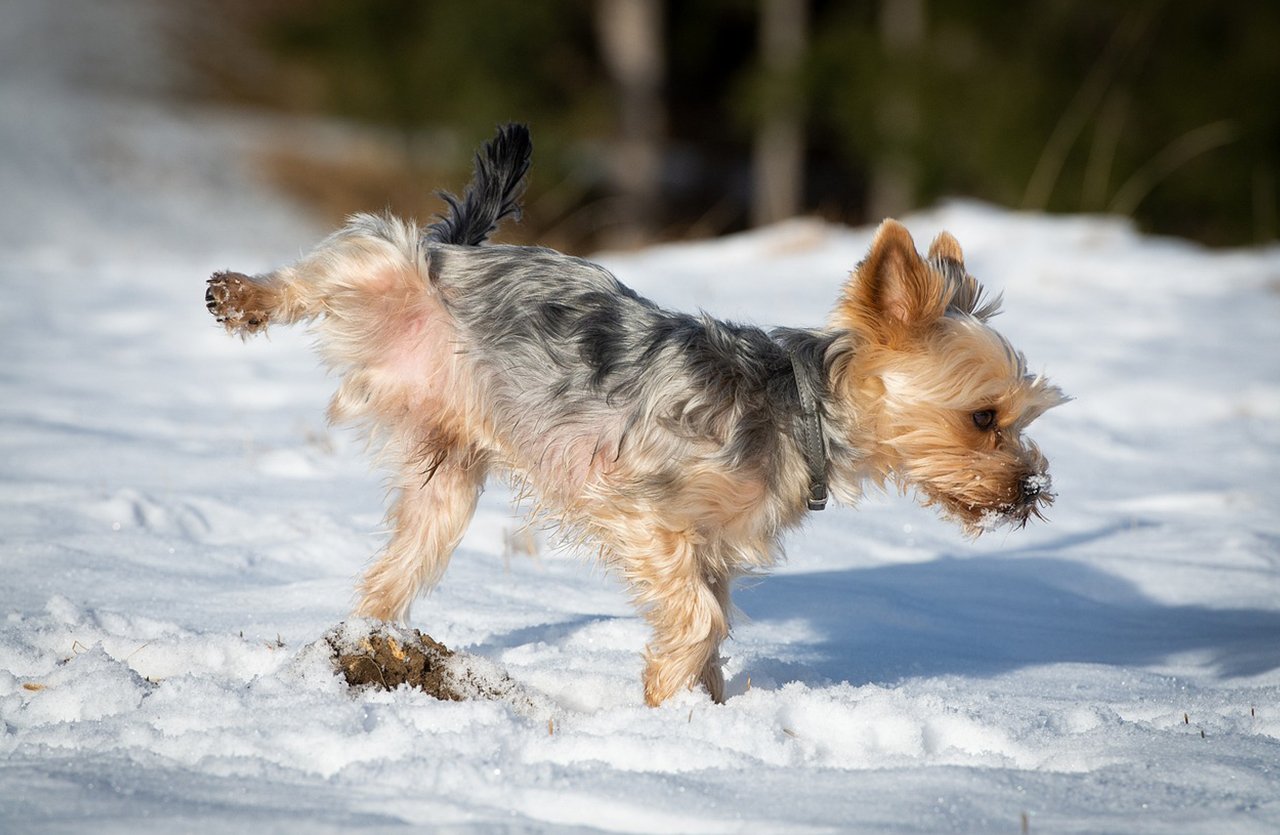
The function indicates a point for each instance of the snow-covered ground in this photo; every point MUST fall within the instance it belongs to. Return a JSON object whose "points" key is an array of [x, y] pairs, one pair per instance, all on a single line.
{"points": [[178, 526]]}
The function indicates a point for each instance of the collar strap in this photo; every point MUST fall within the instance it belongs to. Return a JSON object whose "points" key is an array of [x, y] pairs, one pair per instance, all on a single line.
{"points": [[812, 443]]}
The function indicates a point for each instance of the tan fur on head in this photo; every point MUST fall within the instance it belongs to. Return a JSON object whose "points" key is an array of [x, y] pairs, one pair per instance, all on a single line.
{"points": [[921, 369]]}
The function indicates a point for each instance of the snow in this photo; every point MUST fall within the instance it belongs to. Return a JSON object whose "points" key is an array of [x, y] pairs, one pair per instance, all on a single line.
{"points": [[178, 530]]}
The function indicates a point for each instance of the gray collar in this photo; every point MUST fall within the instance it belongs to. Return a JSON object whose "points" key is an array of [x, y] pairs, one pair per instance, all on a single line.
{"points": [[812, 442]]}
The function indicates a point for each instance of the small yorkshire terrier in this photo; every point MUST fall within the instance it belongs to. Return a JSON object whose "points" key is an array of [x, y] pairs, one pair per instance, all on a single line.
{"points": [[681, 446]]}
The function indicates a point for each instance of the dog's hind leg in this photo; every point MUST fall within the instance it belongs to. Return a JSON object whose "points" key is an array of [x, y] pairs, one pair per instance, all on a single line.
{"points": [[370, 256], [712, 675], [437, 497]]}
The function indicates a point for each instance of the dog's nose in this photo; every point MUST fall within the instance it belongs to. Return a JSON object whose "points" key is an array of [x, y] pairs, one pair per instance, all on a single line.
{"points": [[1034, 486]]}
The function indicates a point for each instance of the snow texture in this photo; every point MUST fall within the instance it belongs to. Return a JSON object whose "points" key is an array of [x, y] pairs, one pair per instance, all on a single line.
{"points": [[178, 529]]}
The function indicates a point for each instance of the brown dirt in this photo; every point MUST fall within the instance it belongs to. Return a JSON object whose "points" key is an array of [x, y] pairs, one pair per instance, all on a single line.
{"points": [[384, 661], [385, 656]]}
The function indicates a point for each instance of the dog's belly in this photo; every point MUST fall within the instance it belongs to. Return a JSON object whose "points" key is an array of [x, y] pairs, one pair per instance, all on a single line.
{"points": [[563, 461]]}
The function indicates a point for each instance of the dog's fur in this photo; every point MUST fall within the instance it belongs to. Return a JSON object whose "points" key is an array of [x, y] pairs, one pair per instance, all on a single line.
{"points": [[674, 443]]}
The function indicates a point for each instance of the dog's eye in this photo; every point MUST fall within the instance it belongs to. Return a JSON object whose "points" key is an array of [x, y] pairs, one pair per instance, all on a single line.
{"points": [[985, 420]]}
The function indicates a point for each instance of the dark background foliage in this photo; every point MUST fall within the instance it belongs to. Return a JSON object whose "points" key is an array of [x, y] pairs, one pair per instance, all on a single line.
{"points": [[1163, 111]]}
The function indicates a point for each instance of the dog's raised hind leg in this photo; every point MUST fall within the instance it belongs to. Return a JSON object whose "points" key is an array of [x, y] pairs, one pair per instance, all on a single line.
{"points": [[244, 304], [369, 257]]}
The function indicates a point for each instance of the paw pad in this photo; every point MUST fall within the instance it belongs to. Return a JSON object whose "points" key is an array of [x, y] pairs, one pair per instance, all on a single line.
{"points": [[235, 301]]}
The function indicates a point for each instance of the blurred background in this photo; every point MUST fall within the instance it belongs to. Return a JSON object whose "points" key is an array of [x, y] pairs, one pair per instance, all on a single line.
{"points": [[669, 120]]}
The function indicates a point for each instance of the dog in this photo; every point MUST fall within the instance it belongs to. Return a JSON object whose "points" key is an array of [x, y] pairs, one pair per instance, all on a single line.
{"points": [[680, 446]]}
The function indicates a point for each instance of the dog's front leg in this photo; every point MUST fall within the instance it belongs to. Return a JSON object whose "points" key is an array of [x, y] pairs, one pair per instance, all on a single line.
{"points": [[689, 613]]}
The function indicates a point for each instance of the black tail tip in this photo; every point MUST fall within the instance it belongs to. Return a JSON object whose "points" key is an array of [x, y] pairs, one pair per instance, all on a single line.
{"points": [[494, 192], [511, 149], [516, 135], [505, 158]]}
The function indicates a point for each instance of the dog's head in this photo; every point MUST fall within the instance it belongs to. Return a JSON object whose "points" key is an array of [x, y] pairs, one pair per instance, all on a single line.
{"points": [[941, 398]]}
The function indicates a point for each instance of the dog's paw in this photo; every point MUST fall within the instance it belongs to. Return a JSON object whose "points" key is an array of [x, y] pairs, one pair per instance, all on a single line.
{"points": [[237, 302]]}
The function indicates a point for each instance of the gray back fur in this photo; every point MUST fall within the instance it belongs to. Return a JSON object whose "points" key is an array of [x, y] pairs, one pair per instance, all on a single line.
{"points": [[567, 343]]}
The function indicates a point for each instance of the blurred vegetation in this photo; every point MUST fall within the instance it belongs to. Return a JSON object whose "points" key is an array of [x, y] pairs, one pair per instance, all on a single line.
{"points": [[1164, 111]]}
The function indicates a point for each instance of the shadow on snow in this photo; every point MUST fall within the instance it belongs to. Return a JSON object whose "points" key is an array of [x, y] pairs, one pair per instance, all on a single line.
{"points": [[987, 615]]}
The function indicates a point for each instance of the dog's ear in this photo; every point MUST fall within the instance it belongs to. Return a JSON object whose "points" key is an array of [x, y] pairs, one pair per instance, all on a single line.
{"points": [[893, 290], [946, 246]]}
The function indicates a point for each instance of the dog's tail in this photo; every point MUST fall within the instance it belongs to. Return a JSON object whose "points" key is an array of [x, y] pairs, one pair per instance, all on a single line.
{"points": [[493, 193]]}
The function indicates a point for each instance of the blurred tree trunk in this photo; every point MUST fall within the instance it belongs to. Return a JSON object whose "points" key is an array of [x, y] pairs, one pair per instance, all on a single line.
{"points": [[631, 41], [778, 155], [895, 172]]}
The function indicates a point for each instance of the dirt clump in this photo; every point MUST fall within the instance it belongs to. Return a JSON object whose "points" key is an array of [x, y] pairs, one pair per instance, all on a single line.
{"points": [[385, 656], [386, 661]]}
